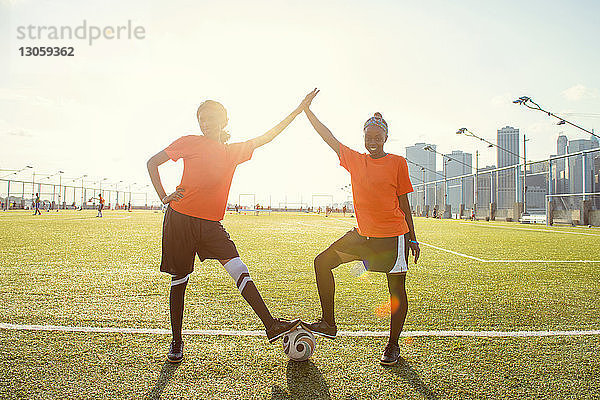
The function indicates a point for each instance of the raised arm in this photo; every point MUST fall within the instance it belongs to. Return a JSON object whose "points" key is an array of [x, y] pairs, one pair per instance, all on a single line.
{"points": [[321, 129], [152, 164], [272, 133]]}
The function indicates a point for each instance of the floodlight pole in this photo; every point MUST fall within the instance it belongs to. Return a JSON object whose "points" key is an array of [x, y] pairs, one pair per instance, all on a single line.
{"points": [[424, 188], [476, 182], [529, 103], [525, 174]]}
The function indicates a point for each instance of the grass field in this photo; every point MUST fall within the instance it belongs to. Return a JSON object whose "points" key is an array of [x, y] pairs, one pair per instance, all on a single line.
{"points": [[72, 269]]}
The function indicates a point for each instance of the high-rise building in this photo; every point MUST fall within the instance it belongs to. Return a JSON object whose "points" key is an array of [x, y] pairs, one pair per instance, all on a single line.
{"points": [[486, 187], [560, 174], [581, 167], [426, 159], [507, 154], [460, 191]]}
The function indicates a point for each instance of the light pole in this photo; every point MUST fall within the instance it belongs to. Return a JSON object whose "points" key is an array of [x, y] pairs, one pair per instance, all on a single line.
{"points": [[117, 190], [527, 102], [74, 180], [15, 172], [101, 180], [59, 173], [82, 194]]}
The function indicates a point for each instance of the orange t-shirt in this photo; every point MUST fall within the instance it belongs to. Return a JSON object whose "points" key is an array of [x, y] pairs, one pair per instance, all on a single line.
{"points": [[208, 168], [376, 185]]}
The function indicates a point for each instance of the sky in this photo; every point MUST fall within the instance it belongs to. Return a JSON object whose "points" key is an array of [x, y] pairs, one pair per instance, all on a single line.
{"points": [[428, 67]]}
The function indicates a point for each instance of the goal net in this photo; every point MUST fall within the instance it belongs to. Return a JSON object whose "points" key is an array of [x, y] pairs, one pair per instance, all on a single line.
{"points": [[573, 209]]}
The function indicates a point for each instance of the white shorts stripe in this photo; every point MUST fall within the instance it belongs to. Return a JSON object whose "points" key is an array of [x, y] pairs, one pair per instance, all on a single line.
{"points": [[400, 265]]}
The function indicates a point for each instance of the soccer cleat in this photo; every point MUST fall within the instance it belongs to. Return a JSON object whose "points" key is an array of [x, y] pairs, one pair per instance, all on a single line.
{"points": [[391, 355], [322, 328], [280, 327], [175, 354]]}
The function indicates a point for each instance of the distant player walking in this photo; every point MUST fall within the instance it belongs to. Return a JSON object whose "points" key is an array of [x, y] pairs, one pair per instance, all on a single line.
{"points": [[191, 224], [385, 231], [37, 205], [100, 205]]}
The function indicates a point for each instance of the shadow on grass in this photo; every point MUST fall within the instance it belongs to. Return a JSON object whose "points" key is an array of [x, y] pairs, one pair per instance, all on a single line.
{"points": [[406, 371], [304, 381], [166, 373]]}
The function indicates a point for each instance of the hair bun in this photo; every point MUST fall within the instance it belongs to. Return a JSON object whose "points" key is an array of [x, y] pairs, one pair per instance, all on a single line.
{"points": [[378, 115]]}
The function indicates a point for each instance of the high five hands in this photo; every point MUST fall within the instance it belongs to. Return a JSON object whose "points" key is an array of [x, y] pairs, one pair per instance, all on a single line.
{"points": [[307, 101]]}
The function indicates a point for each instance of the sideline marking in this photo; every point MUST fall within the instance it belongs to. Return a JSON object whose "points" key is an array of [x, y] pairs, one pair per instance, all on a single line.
{"points": [[221, 332], [507, 261], [533, 229], [454, 252], [511, 261]]}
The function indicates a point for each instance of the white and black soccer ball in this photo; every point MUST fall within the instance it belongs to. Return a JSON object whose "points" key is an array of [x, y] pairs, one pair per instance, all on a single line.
{"points": [[299, 344]]}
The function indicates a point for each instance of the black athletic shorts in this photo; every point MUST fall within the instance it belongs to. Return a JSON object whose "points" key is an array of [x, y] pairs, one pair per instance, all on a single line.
{"points": [[389, 254], [183, 237]]}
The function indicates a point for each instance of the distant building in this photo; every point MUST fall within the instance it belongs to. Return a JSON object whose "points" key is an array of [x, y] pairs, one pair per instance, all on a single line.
{"points": [[460, 191], [486, 186], [507, 154], [581, 168], [537, 187], [426, 159]]}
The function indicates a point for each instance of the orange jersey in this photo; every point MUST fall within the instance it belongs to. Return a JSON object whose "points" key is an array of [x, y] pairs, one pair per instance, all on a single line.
{"points": [[376, 185], [208, 168]]}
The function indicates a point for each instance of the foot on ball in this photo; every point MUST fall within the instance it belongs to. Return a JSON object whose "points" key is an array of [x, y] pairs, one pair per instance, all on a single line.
{"points": [[280, 327], [322, 328]]}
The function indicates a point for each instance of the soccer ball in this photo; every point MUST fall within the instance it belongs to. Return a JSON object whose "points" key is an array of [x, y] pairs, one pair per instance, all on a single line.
{"points": [[299, 344]]}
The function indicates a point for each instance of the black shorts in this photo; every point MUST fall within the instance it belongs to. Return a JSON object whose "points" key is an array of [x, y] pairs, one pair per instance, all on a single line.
{"points": [[183, 237], [389, 254]]}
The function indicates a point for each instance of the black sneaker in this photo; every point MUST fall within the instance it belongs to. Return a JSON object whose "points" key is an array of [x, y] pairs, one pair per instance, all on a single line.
{"points": [[280, 327], [322, 328], [391, 355], [175, 354]]}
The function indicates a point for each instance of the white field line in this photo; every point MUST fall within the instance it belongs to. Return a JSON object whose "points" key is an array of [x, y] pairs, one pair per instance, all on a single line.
{"points": [[222, 332], [545, 261], [454, 252], [57, 218], [512, 261], [532, 229]]}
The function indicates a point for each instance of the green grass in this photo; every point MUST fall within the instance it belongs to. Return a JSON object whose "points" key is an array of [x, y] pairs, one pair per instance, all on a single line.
{"points": [[71, 268]]}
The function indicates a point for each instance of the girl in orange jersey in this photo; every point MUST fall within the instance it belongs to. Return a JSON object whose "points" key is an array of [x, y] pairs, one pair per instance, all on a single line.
{"points": [[385, 232], [192, 220]]}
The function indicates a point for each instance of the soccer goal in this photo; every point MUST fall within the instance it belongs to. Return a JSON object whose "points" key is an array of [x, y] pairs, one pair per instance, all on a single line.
{"points": [[247, 204], [573, 209], [322, 202]]}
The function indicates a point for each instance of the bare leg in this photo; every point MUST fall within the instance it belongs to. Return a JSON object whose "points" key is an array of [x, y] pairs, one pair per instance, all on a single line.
{"points": [[399, 305], [324, 265]]}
